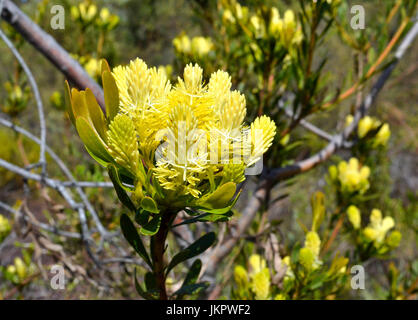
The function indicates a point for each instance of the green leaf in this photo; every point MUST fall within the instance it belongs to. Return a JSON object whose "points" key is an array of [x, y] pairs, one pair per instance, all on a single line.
{"points": [[97, 159], [131, 235], [91, 139], [104, 66], [150, 281], [111, 95], [142, 217], [193, 250], [224, 210], [120, 190], [214, 217], [68, 103], [79, 108], [149, 205], [193, 273], [219, 198], [190, 289], [141, 291], [152, 227], [96, 113]]}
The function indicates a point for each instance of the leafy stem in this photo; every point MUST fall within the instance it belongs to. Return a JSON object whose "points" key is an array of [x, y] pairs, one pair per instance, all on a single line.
{"points": [[157, 252]]}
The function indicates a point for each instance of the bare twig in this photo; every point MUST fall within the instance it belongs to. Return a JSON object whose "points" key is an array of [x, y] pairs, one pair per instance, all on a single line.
{"points": [[40, 225], [309, 126], [37, 95], [47, 45]]}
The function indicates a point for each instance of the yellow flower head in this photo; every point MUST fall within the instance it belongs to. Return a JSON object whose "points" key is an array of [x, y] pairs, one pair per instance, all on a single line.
{"points": [[382, 136], [84, 12], [367, 124], [241, 276], [307, 258], [182, 44], [286, 29], [378, 227], [354, 216], [257, 263], [258, 26], [201, 46], [4, 227], [351, 177], [348, 120], [261, 284], [313, 242], [21, 269], [189, 138]]}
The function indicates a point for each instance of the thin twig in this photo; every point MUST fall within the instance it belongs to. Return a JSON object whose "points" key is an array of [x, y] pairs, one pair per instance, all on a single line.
{"points": [[47, 45], [38, 99]]}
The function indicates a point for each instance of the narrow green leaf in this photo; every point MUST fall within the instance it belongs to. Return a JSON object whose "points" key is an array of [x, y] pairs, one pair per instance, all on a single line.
{"points": [[96, 113], [78, 104], [104, 66], [213, 217], [193, 273], [92, 140], [152, 227], [141, 291], [142, 217], [97, 159], [196, 248], [68, 103], [191, 289], [132, 236], [149, 205], [111, 95], [219, 198], [224, 210], [150, 281], [120, 191]]}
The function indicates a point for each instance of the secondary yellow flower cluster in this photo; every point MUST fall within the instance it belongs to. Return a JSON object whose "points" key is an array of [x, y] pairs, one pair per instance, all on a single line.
{"points": [[368, 124], [377, 229], [5, 227], [285, 29], [309, 254], [240, 12], [191, 136], [197, 47], [19, 270], [350, 176], [17, 98], [256, 281], [86, 13]]}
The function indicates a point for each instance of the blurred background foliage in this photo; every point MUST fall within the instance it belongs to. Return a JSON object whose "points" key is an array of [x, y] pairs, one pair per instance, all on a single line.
{"points": [[268, 55]]}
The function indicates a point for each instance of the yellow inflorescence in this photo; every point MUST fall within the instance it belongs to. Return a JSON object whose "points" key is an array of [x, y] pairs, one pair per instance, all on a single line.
{"points": [[351, 176], [378, 226], [4, 227], [197, 47], [257, 279], [354, 216], [205, 122]]}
